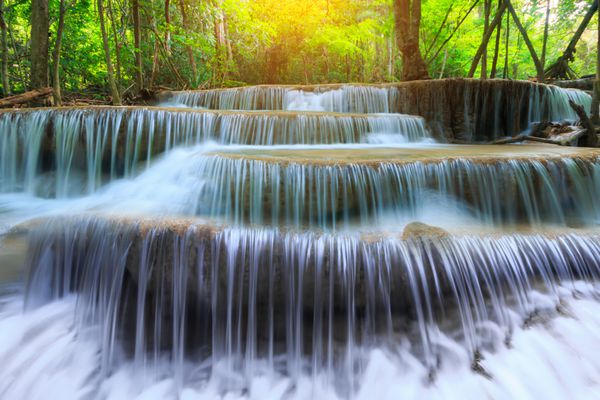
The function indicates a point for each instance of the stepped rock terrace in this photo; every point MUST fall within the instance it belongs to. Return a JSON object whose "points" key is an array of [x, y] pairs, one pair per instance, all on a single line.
{"points": [[285, 254], [119, 141], [455, 109], [239, 295], [330, 187]]}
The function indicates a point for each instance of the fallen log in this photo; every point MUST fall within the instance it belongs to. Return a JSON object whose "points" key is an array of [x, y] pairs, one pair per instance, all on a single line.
{"points": [[26, 97], [522, 138], [590, 139], [581, 84]]}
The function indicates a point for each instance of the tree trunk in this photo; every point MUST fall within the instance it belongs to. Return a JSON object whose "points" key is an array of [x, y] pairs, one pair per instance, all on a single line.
{"points": [[227, 39], [4, 48], [219, 74], [596, 97], [506, 42], [444, 64], [456, 28], [17, 56], [407, 14], [590, 139], [39, 44], [486, 10], [188, 48], [168, 27], [497, 19], [113, 25], [390, 59], [114, 91], [27, 97], [137, 43], [56, 54], [545, 39], [560, 68], [536, 61], [496, 47], [439, 31]]}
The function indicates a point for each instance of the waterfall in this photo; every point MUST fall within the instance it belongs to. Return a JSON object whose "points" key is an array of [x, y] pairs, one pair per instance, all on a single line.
{"points": [[271, 242], [234, 298], [244, 188], [101, 144], [361, 99], [469, 110]]}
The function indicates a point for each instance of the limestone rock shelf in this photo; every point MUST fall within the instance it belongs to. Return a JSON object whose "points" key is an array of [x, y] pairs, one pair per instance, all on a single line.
{"points": [[201, 260], [328, 186], [411, 153], [463, 109]]}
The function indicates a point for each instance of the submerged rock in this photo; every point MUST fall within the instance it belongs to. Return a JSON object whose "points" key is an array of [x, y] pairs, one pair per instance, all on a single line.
{"points": [[419, 230]]}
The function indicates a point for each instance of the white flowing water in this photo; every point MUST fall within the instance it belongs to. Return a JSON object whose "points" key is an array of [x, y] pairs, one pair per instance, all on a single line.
{"points": [[553, 359], [298, 282], [86, 147], [550, 100]]}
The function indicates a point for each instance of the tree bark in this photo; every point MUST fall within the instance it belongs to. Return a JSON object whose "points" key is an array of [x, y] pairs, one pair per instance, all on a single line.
{"points": [[168, 27], [114, 91], [188, 48], [560, 69], [506, 42], [486, 10], [545, 39], [590, 139], [496, 47], [456, 27], [56, 54], [17, 56], [40, 25], [407, 14], [27, 97], [4, 48], [437, 34], [219, 73], [536, 61], [113, 26], [137, 43], [497, 19], [596, 95]]}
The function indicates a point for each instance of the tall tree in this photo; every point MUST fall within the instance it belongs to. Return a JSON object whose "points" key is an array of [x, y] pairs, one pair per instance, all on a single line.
{"points": [[596, 96], [486, 37], [506, 41], [496, 47], [56, 54], [168, 26], [545, 38], [487, 5], [114, 91], [4, 48], [221, 54], [536, 61], [560, 69], [407, 14], [186, 27], [137, 43], [40, 25]]}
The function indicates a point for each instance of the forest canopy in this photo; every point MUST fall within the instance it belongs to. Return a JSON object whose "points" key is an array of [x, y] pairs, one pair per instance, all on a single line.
{"points": [[214, 43]]}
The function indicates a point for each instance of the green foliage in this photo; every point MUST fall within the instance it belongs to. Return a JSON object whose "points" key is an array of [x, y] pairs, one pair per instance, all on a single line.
{"points": [[291, 41]]}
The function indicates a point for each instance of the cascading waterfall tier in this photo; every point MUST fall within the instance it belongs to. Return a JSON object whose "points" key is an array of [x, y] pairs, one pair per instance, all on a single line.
{"points": [[119, 141], [332, 187], [308, 277], [462, 109], [230, 297]]}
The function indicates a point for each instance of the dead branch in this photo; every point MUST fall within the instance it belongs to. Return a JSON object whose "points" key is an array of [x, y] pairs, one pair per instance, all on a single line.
{"points": [[26, 97]]}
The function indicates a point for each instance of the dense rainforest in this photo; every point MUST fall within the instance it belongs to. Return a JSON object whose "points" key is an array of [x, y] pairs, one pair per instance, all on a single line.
{"points": [[118, 48]]}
